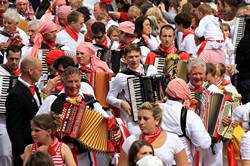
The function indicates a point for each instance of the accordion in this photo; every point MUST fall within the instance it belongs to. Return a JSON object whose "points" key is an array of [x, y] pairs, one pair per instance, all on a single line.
{"points": [[6, 83], [146, 88], [95, 132], [111, 57], [89, 128], [210, 108], [227, 131], [41, 56], [175, 68], [100, 84]]}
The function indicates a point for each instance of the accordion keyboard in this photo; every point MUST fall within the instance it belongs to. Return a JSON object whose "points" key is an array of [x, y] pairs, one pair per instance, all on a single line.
{"points": [[42, 55], [135, 92], [239, 31], [6, 82], [159, 64]]}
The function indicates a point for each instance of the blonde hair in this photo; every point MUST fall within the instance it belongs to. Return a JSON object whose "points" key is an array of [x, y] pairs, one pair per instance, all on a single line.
{"points": [[220, 69], [134, 9], [205, 9], [153, 11], [154, 108]]}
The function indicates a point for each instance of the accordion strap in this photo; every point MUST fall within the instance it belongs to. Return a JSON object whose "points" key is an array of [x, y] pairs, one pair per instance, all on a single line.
{"points": [[5, 34], [183, 120], [131, 72], [57, 105]]}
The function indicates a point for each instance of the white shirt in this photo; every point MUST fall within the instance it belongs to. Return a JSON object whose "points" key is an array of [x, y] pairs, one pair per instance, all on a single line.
{"points": [[245, 146], [23, 35], [144, 51], [110, 23], [195, 129], [46, 106], [65, 39], [166, 152], [209, 27], [242, 113], [153, 42], [188, 44]]}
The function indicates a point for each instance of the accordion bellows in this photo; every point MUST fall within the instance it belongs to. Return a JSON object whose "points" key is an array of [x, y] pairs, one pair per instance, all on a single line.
{"points": [[93, 132]]}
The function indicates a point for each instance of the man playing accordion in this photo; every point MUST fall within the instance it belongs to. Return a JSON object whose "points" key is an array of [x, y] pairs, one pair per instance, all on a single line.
{"points": [[198, 86], [71, 100], [118, 95]]}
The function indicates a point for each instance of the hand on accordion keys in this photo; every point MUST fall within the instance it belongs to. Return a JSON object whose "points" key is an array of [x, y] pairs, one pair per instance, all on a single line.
{"points": [[126, 107]]}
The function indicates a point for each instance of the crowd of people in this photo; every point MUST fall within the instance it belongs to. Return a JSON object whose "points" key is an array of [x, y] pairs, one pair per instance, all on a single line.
{"points": [[124, 82]]}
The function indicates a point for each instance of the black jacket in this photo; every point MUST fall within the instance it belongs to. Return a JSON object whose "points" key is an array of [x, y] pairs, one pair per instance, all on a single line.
{"points": [[21, 107]]}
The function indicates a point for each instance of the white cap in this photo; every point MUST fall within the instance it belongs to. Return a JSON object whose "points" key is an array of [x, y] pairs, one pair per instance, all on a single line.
{"points": [[149, 160]]}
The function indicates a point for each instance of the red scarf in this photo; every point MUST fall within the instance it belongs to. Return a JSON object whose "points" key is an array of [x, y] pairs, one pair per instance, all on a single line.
{"points": [[123, 45], [197, 89], [88, 38], [105, 43], [16, 72], [90, 74], [170, 50], [152, 136], [51, 148], [71, 33], [186, 33], [49, 44]]}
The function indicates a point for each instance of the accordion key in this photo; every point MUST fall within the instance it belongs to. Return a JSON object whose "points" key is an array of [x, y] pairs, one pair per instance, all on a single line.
{"points": [[6, 83]]}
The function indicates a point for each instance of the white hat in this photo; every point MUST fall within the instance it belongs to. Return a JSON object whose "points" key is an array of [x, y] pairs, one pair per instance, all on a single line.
{"points": [[149, 160]]}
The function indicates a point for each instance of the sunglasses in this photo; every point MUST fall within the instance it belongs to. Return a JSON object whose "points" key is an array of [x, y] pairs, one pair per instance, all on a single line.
{"points": [[3, 2], [98, 37]]}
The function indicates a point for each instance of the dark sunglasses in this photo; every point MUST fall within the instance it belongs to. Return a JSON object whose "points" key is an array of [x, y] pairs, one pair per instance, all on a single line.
{"points": [[98, 37]]}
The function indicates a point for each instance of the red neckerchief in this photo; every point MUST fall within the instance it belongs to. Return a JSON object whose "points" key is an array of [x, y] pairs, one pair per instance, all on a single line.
{"points": [[50, 45], [105, 43], [59, 87], [152, 136], [123, 45], [1, 14], [71, 33], [88, 38], [170, 50], [187, 32], [16, 72], [51, 148], [198, 89], [90, 74]]}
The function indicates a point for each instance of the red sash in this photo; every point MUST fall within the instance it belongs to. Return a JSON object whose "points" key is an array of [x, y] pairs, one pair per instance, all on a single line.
{"points": [[186, 33], [73, 34]]}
